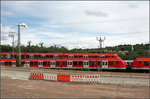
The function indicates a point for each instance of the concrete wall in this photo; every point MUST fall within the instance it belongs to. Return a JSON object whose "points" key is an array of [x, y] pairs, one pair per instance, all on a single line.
{"points": [[106, 80]]}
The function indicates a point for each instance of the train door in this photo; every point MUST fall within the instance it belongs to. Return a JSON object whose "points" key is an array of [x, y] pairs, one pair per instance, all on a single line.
{"points": [[43, 56], [117, 64], [2, 63], [69, 64], [13, 63], [85, 56], [139, 64], [102, 56], [8, 56], [70, 56], [86, 64], [55, 56], [26, 64], [31, 56], [40, 64], [52, 64], [105, 64]]}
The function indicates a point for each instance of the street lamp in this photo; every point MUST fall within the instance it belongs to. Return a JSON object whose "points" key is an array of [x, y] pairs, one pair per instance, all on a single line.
{"points": [[12, 36], [23, 25]]}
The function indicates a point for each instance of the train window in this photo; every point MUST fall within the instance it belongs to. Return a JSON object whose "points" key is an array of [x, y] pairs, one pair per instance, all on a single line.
{"points": [[15, 56], [139, 61], [112, 55], [44, 63], [66, 56], [74, 63], [9, 63], [52, 63], [106, 63], [27, 56], [55, 56], [111, 63], [85, 56], [22, 63], [103, 63], [39, 56], [43, 56], [47, 56], [80, 56], [48, 63], [80, 63], [35, 63], [64, 63], [51, 56], [31, 56], [6, 63], [98, 63], [117, 62], [75, 56], [2, 63], [60, 56], [31, 63], [90, 56], [86, 63], [146, 63], [92, 63], [22, 56], [57, 63], [107, 56], [95, 56], [70, 56], [69, 63], [35, 56], [14, 63]]}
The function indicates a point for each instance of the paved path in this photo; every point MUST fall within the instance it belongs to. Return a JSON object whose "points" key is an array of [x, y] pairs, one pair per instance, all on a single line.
{"points": [[25, 75]]}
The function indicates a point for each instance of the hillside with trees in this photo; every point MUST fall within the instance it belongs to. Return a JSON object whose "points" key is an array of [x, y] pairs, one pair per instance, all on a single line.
{"points": [[125, 52]]}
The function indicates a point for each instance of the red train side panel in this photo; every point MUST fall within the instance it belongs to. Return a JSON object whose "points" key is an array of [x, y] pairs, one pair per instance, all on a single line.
{"points": [[89, 63], [141, 63]]}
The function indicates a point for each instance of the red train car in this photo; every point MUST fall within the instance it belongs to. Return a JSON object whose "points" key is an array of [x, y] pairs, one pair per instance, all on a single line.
{"points": [[88, 63], [7, 55], [141, 64]]}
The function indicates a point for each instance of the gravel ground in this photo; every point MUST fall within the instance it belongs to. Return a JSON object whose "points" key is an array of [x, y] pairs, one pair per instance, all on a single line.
{"points": [[15, 88]]}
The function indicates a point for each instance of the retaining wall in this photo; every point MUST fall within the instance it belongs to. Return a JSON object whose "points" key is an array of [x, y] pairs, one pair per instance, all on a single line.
{"points": [[75, 78]]}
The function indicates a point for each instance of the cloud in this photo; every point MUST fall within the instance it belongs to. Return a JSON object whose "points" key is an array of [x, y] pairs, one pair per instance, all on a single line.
{"points": [[76, 24], [96, 13], [6, 13], [5, 31], [133, 6]]}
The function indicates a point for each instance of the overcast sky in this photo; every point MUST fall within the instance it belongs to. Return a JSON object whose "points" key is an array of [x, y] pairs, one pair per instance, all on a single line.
{"points": [[76, 24]]}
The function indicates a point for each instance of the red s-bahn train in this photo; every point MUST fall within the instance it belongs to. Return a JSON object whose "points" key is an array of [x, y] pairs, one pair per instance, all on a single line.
{"points": [[88, 63], [141, 64], [7, 55]]}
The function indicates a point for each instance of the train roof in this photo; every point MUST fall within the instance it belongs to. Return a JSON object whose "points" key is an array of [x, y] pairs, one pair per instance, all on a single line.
{"points": [[65, 59], [63, 53], [143, 59]]}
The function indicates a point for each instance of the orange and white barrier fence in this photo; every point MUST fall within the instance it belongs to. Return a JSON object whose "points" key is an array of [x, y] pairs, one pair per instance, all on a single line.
{"points": [[48, 76], [39, 76], [66, 78], [85, 78]]}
